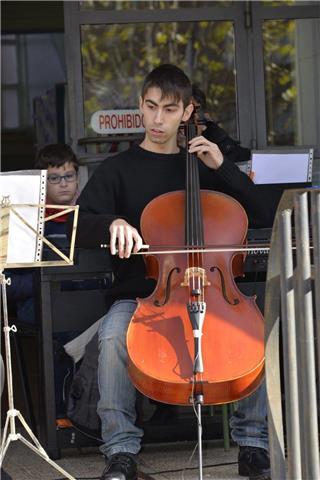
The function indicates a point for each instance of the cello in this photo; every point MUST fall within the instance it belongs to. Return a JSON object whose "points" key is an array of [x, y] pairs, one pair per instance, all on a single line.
{"points": [[196, 334]]}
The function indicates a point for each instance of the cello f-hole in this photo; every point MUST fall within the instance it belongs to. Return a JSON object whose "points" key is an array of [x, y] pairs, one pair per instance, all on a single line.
{"points": [[235, 301], [158, 303]]}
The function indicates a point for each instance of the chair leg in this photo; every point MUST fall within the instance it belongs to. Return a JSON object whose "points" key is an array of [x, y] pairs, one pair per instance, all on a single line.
{"points": [[225, 426]]}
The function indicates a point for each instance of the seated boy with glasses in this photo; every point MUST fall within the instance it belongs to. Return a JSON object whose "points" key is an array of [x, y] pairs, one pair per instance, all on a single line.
{"points": [[62, 181]]}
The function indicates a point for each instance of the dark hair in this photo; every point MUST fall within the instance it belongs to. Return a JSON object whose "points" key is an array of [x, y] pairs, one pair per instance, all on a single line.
{"points": [[171, 80], [199, 96], [56, 155]]}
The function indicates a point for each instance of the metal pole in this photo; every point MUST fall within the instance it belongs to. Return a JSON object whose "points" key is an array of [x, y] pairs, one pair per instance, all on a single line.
{"points": [[306, 351], [289, 348], [272, 360], [199, 402], [273, 380], [315, 215]]}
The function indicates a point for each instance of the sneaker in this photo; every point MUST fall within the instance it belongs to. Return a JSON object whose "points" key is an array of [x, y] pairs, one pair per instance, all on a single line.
{"points": [[254, 462], [121, 466]]}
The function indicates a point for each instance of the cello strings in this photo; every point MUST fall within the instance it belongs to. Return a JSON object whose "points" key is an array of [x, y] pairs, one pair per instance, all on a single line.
{"points": [[200, 233], [193, 214], [189, 208], [195, 217], [198, 225]]}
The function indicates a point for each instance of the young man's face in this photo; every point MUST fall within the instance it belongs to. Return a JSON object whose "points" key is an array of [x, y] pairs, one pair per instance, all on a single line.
{"points": [[162, 117], [61, 191]]}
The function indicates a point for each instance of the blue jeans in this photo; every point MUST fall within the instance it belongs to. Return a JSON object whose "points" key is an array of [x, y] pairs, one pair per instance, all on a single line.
{"points": [[116, 406], [249, 426]]}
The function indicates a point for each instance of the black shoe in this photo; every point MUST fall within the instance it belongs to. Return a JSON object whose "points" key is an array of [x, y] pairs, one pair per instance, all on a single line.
{"points": [[254, 462], [121, 466]]}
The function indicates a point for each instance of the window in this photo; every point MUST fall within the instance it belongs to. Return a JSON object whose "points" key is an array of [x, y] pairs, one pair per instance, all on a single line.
{"points": [[10, 83], [149, 4], [292, 79], [27, 73], [116, 58]]}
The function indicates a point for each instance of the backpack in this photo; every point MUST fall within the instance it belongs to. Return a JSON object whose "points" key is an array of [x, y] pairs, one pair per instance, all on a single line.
{"points": [[83, 394]]}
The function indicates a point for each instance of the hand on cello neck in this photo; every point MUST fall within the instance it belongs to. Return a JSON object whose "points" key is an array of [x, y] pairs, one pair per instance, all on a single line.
{"points": [[124, 239], [207, 151]]}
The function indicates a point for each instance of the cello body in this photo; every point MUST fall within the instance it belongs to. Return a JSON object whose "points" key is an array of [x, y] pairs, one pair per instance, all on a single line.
{"points": [[160, 337]]}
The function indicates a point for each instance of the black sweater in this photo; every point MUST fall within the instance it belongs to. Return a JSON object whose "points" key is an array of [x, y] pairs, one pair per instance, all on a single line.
{"points": [[123, 185]]}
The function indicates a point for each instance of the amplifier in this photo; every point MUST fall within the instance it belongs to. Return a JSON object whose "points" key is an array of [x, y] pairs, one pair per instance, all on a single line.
{"points": [[257, 261], [255, 267]]}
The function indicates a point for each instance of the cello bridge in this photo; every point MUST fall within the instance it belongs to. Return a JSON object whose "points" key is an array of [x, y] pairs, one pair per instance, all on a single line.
{"points": [[192, 272]]}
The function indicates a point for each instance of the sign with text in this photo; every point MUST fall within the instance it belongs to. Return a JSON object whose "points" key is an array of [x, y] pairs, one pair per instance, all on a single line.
{"points": [[117, 121]]}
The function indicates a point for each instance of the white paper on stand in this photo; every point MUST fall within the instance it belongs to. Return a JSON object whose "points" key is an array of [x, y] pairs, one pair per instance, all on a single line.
{"points": [[280, 167], [24, 187]]}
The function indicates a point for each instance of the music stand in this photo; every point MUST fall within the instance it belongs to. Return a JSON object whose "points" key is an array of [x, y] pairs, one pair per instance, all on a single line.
{"points": [[6, 209]]}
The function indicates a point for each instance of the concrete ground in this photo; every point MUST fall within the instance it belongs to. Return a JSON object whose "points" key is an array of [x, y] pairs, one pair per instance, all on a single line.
{"points": [[165, 461]]}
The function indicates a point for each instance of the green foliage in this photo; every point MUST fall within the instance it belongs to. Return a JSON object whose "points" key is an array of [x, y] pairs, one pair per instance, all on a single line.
{"points": [[279, 60], [116, 58], [148, 4]]}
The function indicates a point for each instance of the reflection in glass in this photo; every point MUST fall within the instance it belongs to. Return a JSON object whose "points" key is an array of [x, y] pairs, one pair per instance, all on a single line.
{"points": [[149, 5], [116, 58], [9, 64], [24, 77], [9, 109], [291, 57]]}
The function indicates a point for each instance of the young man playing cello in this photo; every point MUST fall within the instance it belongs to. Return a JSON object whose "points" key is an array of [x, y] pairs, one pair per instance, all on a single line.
{"points": [[110, 208]]}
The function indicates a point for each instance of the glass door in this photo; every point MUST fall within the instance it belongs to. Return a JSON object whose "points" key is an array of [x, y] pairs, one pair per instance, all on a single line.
{"points": [[111, 49], [287, 73]]}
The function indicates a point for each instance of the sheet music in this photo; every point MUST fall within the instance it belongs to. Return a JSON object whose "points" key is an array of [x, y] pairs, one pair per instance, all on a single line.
{"points": [[24, 187], [281, 167]]}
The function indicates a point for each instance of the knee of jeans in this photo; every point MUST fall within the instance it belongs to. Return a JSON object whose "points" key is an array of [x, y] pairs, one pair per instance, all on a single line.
{"points": [[111, 336], [113, 353], [111, 330]]}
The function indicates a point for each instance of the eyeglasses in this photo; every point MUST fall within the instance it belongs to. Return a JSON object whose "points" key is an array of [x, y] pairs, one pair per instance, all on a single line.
{"points": [[69, 177]]}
